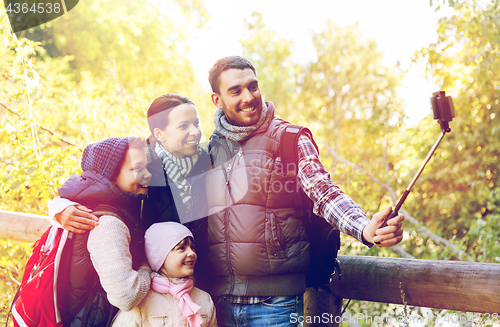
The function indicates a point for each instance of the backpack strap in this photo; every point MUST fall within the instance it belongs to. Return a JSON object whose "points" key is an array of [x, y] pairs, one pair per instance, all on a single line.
{"points": [[90, 299], [12, 305], [106, 210], [290, 158], [290, 161], [85, 302], [289, 140]]}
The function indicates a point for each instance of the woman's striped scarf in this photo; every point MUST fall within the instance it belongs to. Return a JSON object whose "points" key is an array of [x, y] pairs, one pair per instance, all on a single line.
{"points": [[177, 169]]}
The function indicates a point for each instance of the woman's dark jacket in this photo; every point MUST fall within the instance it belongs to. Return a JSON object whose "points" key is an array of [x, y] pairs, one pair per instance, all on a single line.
{"points": [[165, 204]]}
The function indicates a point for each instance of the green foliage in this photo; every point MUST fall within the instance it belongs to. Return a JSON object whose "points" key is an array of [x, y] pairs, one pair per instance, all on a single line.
{"points": [[123, 56], [271, 54], [31, 161], [460, 198], [137, 43], [449, 3]]}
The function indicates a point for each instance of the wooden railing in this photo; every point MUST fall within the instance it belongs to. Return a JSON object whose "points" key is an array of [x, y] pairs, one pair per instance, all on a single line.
{"points": [[453, 285], [23, 227]]}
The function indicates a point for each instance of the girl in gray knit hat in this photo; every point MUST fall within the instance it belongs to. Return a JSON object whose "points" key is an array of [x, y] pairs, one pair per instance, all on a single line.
{"points": [[114, 185]]}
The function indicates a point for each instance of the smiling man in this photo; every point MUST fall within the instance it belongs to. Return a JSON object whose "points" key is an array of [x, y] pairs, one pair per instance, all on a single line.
{"points": [[257, 244], [240, 98]]}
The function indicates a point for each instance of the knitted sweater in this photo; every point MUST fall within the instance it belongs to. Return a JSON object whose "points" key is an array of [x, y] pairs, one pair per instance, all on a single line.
{"points": [[108, 246]]}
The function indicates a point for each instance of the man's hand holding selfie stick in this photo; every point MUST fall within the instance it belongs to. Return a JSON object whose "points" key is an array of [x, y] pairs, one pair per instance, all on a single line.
{"points": [[385, 227]]}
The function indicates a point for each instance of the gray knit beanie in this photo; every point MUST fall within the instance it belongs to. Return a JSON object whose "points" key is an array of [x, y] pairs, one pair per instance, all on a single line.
{"points": [[105, 157]]}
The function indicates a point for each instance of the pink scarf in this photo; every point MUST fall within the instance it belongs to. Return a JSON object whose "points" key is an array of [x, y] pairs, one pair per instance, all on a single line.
{"points": [[181, 292]]}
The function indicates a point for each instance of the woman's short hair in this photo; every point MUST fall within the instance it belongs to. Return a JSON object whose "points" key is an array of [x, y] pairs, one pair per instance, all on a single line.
{"points": [[160, 108]]}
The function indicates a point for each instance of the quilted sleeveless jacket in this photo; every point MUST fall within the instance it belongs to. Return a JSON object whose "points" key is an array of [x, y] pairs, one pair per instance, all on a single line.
{"points": [[257, 243], [81, 279]]}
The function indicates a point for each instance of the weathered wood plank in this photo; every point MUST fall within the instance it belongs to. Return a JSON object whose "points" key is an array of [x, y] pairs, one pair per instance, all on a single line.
{"points": [[321, 308], [23, 227], [453, 285]]}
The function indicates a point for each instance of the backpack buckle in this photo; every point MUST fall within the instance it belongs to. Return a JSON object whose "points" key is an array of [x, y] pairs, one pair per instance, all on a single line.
{"points": [[336, 268]]}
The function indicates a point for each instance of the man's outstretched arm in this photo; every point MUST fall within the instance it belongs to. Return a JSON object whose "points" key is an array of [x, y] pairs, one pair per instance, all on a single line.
{"points": [[337, 207]]}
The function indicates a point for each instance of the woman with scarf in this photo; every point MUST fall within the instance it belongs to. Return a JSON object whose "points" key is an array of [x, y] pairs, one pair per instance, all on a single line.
{"points": [[177, 187], [177, 191], [177, 163]]}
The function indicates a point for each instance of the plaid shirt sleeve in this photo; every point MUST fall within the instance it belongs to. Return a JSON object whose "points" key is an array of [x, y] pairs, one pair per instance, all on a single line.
{"points": [[329, 200]]}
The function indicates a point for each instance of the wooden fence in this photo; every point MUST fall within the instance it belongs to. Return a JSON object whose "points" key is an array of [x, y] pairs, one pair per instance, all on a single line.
{"points": [[23, 227], [453, 285]]}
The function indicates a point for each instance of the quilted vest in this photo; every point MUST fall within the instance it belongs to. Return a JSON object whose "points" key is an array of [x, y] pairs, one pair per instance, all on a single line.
{"points": [[93, 190], [257, 243]]}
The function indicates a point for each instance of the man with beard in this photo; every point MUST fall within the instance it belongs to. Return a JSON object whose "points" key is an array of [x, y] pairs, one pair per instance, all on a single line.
{"points": [[258, 247]]}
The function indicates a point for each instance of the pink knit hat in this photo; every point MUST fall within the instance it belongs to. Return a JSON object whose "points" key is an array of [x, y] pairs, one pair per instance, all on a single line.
{"points": [[160, 239]]}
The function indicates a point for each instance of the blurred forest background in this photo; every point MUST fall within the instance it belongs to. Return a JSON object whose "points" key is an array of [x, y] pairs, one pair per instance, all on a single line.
{"points": [[75, 81]]}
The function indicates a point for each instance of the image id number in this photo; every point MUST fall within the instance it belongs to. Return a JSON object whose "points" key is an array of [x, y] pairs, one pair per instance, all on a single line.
{"points": [[36, 8]]}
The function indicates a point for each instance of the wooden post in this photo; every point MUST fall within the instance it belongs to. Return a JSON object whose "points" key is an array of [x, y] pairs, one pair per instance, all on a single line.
{"points": [[22, 227], [321, 308], [452, 285]]}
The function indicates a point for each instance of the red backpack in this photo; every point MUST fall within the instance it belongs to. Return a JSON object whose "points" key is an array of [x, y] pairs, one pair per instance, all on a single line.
{"points": [[46, 274], [35, 303]]}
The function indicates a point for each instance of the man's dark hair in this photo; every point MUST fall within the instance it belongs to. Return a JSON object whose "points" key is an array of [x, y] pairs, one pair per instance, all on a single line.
{"points": [[231, 62]]}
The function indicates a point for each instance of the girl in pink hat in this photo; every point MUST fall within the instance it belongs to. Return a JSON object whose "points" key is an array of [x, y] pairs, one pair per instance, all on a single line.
{"points": [[173, 300]]}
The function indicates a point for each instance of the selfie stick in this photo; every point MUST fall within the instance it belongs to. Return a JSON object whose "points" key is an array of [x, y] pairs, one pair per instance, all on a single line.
{"points": [[444, 111]]}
